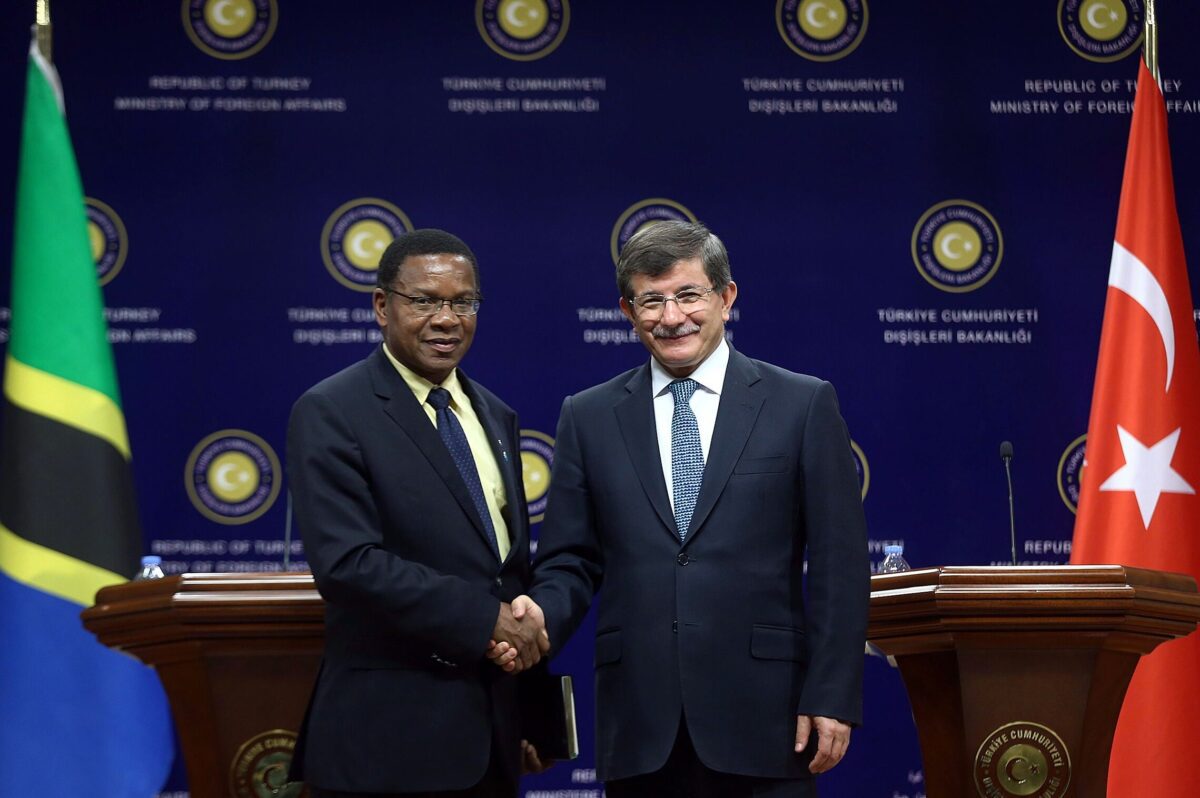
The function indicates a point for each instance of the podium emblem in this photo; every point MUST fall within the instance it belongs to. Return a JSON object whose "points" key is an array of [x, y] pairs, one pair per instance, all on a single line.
{"points": [[1022, 760], [260, 767]]}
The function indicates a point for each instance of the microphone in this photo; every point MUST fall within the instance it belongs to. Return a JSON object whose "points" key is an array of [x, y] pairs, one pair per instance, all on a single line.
{"points": [[1006, 453], [287, 534]]}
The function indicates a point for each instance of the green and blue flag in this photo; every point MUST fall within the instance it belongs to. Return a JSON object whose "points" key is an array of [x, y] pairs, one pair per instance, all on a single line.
{"points": [[76, 719]]}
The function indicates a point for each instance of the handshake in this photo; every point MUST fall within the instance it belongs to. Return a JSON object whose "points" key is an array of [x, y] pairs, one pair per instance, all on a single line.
{"points": [[520, 638]]}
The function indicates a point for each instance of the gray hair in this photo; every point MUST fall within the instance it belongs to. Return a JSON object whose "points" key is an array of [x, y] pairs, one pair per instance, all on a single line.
{"points": [[658, 247]]}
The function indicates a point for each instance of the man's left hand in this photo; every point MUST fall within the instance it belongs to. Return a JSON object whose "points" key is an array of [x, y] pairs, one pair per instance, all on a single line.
{"points": [[531, 763], [833, 738]]}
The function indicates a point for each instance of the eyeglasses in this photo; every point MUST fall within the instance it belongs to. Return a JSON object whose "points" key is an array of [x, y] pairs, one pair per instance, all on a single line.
{"points": [[428, 305], [687, 300]]}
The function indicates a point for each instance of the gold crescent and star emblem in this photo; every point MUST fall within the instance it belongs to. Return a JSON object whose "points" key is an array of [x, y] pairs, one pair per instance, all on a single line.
{"points": [[260, 767], [1022, 760]]}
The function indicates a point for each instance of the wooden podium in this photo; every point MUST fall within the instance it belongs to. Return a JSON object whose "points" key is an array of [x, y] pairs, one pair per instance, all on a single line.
{"points": [[1016, 675], [238, 655]]}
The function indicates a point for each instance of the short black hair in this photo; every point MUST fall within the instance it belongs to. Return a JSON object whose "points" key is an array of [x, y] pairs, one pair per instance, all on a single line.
{"points": [[428, 241], [659, 246]]}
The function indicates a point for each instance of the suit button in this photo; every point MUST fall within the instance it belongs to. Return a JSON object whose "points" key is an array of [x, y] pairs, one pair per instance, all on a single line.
{"points": [[499, 582], [683, 558]]}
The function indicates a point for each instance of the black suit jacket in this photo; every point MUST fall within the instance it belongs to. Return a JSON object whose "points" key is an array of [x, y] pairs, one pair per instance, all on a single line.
{"points": [[405, 700], [723, 628]]}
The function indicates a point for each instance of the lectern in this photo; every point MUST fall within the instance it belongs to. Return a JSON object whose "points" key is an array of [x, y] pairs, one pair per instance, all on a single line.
{"points": [[1016, 675], [238, 655]]}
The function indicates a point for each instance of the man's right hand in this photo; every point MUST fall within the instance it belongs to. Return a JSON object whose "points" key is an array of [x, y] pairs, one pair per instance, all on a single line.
{"points": [[519, 639]]}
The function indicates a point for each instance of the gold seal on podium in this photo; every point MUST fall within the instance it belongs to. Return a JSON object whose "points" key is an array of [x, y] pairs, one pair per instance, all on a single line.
{"points": [[1022, 760], [260, 767]]}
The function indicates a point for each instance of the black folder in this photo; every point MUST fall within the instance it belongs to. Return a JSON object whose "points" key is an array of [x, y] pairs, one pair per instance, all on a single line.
{"points": [[547, 706]]}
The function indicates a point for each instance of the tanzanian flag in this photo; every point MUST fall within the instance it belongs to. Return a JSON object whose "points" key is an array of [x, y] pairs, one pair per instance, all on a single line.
{"points": [[76, 719]]}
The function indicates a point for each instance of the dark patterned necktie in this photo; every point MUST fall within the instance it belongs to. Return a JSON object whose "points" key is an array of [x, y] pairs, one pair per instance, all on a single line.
{"points": [[687, 458], [456, 443]]}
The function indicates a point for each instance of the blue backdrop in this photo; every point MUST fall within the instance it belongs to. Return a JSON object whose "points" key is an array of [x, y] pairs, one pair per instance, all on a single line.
{"points": [[918, 200]]}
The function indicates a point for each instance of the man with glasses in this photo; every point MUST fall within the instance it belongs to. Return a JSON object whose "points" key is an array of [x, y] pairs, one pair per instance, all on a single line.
{"points": [[406, 481], [693, 489]]}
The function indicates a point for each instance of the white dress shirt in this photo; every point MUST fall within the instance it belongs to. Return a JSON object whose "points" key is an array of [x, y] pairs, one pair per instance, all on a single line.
{"points": [[710, 377]]}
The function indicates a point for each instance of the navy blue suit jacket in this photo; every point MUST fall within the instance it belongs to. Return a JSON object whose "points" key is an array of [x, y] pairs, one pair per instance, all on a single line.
{"points": [[724, 629], [405, 700]]}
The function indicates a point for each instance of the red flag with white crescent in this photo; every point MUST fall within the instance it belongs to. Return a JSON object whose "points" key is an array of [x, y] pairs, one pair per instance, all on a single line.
{"points": [[1139, 503]]}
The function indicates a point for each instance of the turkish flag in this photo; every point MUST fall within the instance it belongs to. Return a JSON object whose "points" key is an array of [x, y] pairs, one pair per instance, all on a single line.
{"points": [[1138, 501]]}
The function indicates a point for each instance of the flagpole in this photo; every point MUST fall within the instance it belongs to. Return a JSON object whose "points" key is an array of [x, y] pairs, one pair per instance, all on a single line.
{"points": [[1150, 51], [42, 27]]}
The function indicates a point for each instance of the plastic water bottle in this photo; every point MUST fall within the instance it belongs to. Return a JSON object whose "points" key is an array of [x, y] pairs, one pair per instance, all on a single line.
{"points": [[893, 560], [151, 568]]}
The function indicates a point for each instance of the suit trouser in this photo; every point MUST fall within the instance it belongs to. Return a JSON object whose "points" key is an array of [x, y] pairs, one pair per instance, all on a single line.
{"points": [[494, 784], [499, 789], [685, 776]]}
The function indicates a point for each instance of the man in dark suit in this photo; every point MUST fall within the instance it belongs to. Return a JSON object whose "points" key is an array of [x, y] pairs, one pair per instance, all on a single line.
{"points": [[694, 489], [406, 480]]}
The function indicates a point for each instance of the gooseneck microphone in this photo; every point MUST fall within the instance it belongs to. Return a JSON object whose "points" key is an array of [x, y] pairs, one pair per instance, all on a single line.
{"points": [[287, 534], [1006, 453]]}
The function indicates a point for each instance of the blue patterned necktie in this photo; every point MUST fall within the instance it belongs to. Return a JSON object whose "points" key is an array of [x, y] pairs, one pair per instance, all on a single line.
{"points": [[456, 442], [687, 458]]}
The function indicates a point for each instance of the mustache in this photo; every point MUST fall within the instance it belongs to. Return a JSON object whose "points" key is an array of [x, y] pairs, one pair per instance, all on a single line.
{"points": [[676, 331]]}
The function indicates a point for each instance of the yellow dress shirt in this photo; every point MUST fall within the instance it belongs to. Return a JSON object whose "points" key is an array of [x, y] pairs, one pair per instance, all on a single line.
{"points": [[481, 448]]}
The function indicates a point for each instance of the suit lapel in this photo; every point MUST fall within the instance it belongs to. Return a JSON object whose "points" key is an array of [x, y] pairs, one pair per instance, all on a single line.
{"points": [[402, 407], [504, 451], [736, 415], [635, 417]]}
